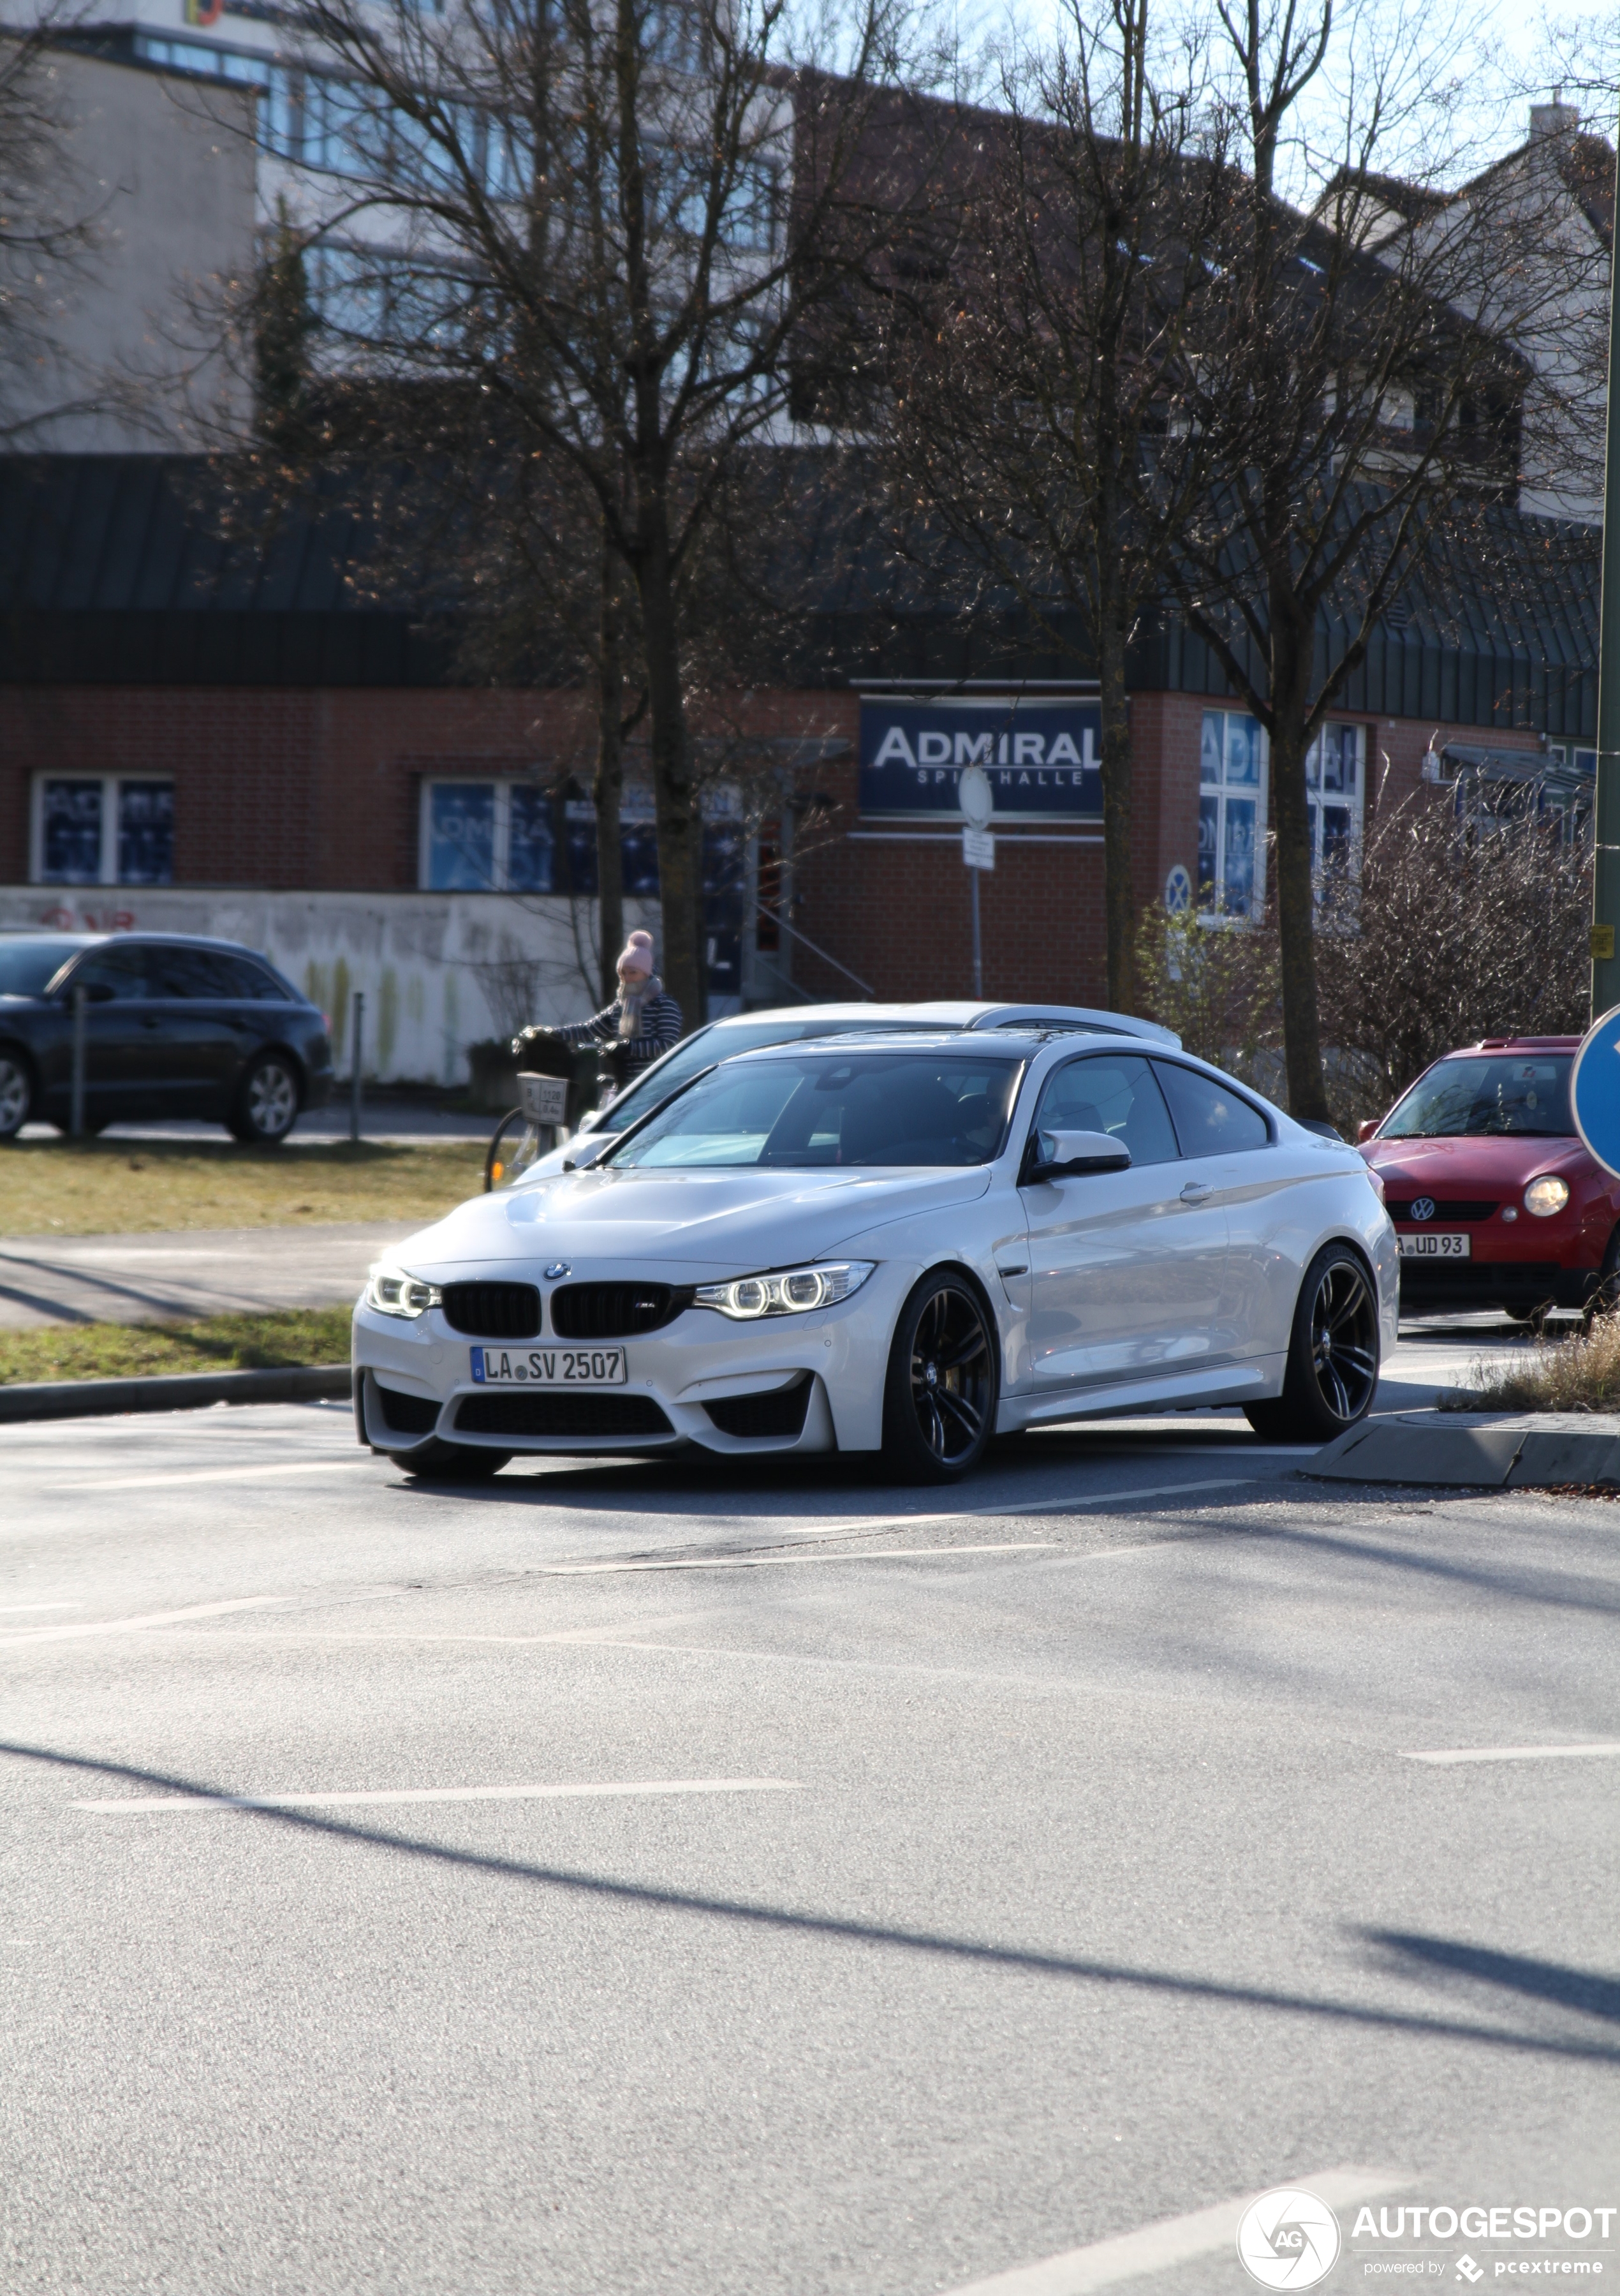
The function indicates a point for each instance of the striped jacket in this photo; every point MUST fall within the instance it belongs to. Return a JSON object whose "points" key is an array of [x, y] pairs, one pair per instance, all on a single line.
{"points": [[660, 1028]]}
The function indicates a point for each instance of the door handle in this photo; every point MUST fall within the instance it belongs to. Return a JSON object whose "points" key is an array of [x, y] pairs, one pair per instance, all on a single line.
{"points": [[149, 1024], [1195, 1191]]}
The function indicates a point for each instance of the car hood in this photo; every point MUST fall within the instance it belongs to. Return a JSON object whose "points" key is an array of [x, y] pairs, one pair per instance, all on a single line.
{"points": [[726, 1222], [1492, 1164]]}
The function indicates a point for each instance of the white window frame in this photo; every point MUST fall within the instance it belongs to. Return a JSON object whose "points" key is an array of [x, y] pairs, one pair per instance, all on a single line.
{"points": [[1258, 793], [110, 784], [503, 785]]}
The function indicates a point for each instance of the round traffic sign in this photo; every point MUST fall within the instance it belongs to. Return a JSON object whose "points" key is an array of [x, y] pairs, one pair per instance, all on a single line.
{"points": [[1595, 1090], [975, 795]]}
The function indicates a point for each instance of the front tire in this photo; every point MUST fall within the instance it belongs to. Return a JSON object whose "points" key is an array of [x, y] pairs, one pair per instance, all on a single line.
{"points": [[1332, 1372], [16, 1093], [267, 1103], [939, 1395], [452, 1463]]}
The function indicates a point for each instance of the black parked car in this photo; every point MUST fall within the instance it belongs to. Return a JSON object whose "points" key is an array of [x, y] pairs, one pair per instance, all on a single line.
{"points": [[173, 1027]]}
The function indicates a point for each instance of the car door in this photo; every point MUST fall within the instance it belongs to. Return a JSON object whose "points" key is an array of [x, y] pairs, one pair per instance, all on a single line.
{"points": [[119, 1078], [1229, 1141], [1126, 1269], [187, 1020]]}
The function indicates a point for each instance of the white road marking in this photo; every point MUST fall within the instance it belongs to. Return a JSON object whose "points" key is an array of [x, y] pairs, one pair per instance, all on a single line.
{"points": [[1514, 1753], [758, 1562], [9, 1610], [212, 1475], [129, 1625], [440, 1794], [1172, 2241]]}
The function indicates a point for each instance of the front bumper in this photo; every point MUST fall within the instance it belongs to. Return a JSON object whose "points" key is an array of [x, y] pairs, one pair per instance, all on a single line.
{"points": [[811, 1383]]}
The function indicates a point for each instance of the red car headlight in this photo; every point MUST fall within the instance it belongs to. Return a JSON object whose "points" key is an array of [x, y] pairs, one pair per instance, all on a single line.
{"points": [[1545, 1196]]}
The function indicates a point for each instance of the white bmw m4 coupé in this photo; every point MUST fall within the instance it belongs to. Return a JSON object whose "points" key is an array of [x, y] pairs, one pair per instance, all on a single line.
{"points": [[897, 1245]]}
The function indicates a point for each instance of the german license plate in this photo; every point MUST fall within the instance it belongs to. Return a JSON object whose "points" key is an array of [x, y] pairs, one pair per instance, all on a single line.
{"points": [[1435, 1244], [549, 1367]]}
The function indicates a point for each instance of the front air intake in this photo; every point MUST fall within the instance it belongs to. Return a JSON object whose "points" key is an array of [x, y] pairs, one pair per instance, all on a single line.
{"points": [[587, 1417], [781, 1412]]}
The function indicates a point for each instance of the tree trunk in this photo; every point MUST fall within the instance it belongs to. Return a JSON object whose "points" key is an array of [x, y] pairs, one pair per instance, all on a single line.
{"points": [[608, 785], [1291, 650], [680, 832], [1119, 892]]}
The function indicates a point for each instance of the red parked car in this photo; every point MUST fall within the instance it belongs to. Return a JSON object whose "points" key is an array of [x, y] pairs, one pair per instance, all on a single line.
{"points": [[1496, 1201]]}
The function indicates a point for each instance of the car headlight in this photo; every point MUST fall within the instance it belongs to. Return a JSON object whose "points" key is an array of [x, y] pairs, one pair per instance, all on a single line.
{"points": [[395, 1292], [791, 1292], [1547, 1195]]}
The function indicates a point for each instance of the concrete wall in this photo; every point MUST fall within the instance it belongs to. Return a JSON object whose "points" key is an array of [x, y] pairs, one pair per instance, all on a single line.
{"points": [[160, 170], [438, 970]]}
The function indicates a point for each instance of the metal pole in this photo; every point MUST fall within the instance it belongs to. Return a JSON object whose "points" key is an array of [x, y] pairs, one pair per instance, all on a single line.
{"points": [[354, 1087], [979, 962], [1605, 828], [75, 1118]]}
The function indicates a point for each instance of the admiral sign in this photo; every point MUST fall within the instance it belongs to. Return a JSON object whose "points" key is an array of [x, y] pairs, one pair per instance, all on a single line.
{"points": [[1042, 757]]}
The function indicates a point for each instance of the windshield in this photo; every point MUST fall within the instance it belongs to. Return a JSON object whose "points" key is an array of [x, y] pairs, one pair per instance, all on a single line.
{"points": [[27, 965], [827, 1108], [1526, 1097], [717, 1043]]}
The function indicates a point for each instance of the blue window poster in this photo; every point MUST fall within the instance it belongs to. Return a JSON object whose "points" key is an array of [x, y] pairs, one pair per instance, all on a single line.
{"points": [[1042, 756]]}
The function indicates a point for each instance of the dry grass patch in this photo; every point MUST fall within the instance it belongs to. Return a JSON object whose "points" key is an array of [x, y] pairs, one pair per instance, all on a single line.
{"points": [[110, 1187], [1579, 1373], [241, 1342]]}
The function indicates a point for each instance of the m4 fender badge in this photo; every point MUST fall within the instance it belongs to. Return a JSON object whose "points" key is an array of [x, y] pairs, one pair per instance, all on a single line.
{"points": [[558, 1267]]}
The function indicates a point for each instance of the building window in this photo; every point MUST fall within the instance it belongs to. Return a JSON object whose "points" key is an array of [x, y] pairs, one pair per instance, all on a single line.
{"points": [[100, 829], [1336, 779], [1231, 815], [488, 837]]}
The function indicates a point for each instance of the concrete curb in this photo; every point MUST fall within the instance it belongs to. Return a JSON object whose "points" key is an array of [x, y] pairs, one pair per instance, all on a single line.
{"points": [[1496, 1450], [88, 1399]]}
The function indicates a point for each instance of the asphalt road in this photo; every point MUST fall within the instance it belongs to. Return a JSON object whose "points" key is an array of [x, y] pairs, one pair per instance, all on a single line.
{"points": [[883, 1889]]}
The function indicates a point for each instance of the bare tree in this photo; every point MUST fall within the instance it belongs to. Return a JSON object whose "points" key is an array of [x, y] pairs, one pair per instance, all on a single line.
{"points": [[583, 218], [1358, 389], [1454, 929], [1036, 395]]}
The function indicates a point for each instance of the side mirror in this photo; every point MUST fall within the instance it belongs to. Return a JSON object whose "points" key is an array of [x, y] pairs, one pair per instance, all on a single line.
{"points": [[1067, 1155], [1365, 1131], [590, 1151]]}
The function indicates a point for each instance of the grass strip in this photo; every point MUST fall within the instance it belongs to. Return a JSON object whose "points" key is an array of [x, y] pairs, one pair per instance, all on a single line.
{"points": [[239, 1342], [123, 1187], [1579, 1373]]}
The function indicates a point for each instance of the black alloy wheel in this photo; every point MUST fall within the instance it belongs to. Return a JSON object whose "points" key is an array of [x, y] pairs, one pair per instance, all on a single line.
{"points": [[267, 1105], [1332, 1372], [16, 1093], [939, 1399]]}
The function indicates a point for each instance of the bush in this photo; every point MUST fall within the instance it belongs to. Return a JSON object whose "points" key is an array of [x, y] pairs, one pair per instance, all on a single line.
{"points": [[1443, 935]]}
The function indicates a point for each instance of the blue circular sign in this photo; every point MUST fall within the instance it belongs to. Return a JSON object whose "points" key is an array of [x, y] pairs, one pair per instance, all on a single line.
{"points": [[1595, 1090]]}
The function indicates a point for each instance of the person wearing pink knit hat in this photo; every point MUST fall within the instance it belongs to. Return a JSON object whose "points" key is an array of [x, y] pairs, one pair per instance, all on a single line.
{"points": [[641, 1022]]}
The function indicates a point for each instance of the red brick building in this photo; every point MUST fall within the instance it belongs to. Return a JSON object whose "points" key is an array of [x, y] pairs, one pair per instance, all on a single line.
{"points": [[174, 715]]}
